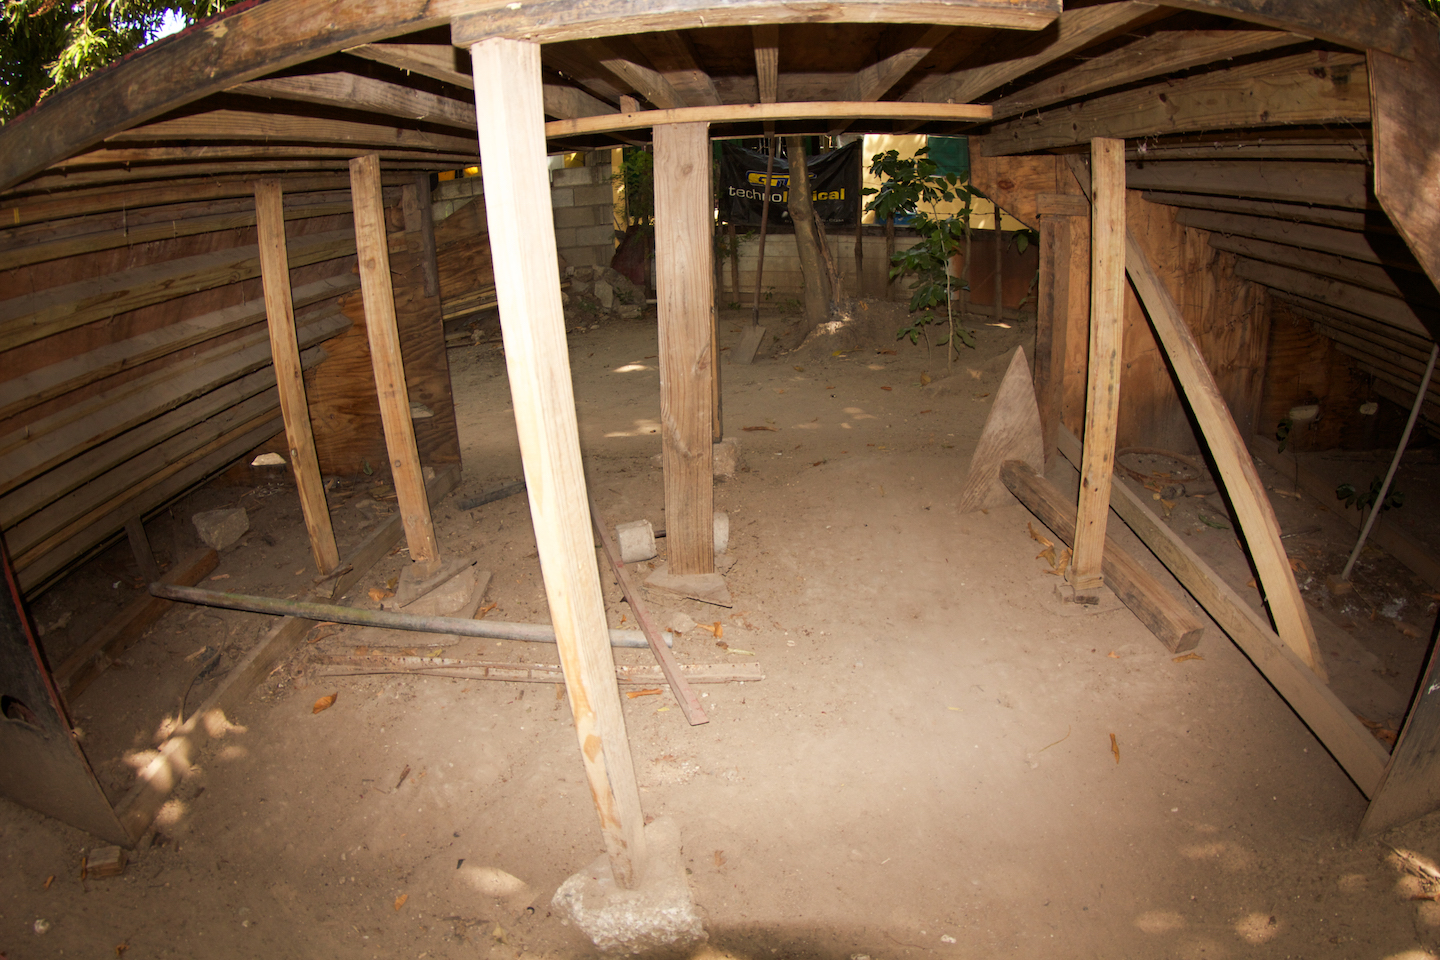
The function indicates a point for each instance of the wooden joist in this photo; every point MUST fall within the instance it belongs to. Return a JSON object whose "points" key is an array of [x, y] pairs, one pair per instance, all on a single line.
{"points": [[759, 112], [350, 92], [1413, 287], [253, 125], [1346, 296], [1343, 147], [1331, 184], [1308, 88], [1151, 56], [1407, 140], [765, 38], [632, 76], [1373, 247], [1376, 24], [32, 317], [1163, 614], [1354, 219], [874, 81], [1359, 753], [673, 57]]}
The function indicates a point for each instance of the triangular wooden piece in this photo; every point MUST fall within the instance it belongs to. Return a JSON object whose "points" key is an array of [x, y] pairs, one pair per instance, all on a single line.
{"points": [[744, 351], [1012, 432]]}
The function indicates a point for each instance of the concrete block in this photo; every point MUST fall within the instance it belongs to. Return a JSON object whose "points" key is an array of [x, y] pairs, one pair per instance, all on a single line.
{"points": [[636, 540], [219, 529], [565, 237], [572, 177], [562, 197], [726, 457], [659, 914], [586, 256], [604, 233], [575, 216], [597, 194]]}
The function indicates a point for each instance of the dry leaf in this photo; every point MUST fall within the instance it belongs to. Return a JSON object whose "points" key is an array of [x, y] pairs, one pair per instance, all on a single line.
{"points": [[924, 379], [221, 576], [799, 369], [379, 593], [400, 900], [403, 774], [1187, 656], [1250, 582], [632, 694], [392, 583], [753, 429], [1168, 505], [1038, 536], [479, 614], [719, 858], [1297, 564], [743, 653], [717, 629], [120, 949], [1113, 655], [887, 388], [49, 880], [1115, 747], [325, 703]]}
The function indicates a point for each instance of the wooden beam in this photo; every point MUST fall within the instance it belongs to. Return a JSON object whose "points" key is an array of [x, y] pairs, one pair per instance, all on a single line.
{"points": [[380, 541], [1255, 515], [350, 92], [1407, 142], [1332, 184], [1355, 220], [1107, 320], [421, 219], [1408, 790], [685, 288], [1352, 746], [1413, 287], [160, 160], [566, 103], [1344, 320], [1051, 326], [25, 319], [766, 39], [1367, 303], [1309, 88], [249, 125], [650, 84], [285, 354], [1073, 30], [757, 112], [1344, 146], [552, 21], [532, 323], [386, 361], [140, 548], [438, 61], [876, 80], [1162, 613], [1356, 245], [77, 671], [1152, 56], [1381, 25], [673, 56]]}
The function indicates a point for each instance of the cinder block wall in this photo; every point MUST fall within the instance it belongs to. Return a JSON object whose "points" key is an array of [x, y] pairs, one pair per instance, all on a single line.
{"points": [[584, 204]]}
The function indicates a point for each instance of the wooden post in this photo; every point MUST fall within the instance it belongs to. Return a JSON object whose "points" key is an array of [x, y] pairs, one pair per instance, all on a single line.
{"points": [[379, 299], [289, 377], [522, 237], [1107, 318], [1051, 326], [999, 305], [140, 547], [420, 218], [734, 245], [684, 289]]}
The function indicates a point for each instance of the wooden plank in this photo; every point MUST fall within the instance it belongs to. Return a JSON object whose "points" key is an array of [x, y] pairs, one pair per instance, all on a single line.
{"points": [[350, 92], [1353, 323], [176, 756], [565, 102], [1414, 288], [140, 548], [1352, 746], [876, 80], [1165, 616], [634, 675], [1152, 56], [648, 83], [30, 450], [285, 355], [1382, 25], [552, 21], [1377, 306], [757, 112], [1373, 247], [1309, 88], [322, 159], [79, 670], [1408, 788], [1016, 183], [438, 61], [1052, 327], [672, 54], [532, 323], [1333, 184], [1253, 511], [684, 284], [1354, 219], [21, 393], [387, 363], [765, 37], [250, 125], [689, 703], [32, 317], [1011, 432], [429, 265], [1073, 30], [1107, 319], [1406, 131], [1288, 145]]}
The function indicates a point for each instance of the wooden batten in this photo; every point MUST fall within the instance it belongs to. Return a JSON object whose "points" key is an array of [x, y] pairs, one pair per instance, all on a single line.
{"points": [[388, 365], [532, 322], [685, 288], [289, 376]]}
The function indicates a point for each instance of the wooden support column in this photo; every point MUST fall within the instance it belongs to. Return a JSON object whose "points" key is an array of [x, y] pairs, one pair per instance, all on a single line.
{"points": [[684, 288], [532, 324], [1052, 316], [289, 376], [1107, 318], [419, 219], [379, 297]]}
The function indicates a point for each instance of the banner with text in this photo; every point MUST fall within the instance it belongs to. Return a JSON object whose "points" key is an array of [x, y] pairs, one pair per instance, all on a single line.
{"points": [[834, 185]]}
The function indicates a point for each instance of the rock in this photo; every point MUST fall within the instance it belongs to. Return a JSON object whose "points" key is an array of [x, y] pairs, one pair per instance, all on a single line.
{"points": [[722, 531], [219, 529], [636, 540], [584, 274], [631, 311], [605, 293], [726, 458], [658, 914], [679, 623], [460, 596], [502, 891]]}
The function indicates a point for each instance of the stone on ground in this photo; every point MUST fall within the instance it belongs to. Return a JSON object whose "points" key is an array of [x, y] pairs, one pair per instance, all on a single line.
{"points": [[219, 529]]}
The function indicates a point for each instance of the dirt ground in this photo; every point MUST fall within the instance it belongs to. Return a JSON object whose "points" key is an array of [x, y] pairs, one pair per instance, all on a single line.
{"points": [[942, 760]]}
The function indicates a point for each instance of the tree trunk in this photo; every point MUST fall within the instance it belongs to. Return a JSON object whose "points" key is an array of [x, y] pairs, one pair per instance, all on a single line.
{"points": [[807, 238]]}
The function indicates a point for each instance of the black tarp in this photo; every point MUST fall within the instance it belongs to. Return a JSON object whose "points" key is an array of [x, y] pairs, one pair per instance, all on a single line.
{"points": [[834, 185]]}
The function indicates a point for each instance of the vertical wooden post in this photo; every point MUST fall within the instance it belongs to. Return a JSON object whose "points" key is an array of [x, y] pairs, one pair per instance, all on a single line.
{"points": [[1051, 327], [420, 220], [684, 288], [734, 245], [285, 354], [999, 306], [379, 299], [522, 238], [1107, 318], [140, 546]]}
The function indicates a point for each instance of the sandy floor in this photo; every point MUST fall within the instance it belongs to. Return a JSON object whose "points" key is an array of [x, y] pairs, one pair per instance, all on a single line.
{"points": [[927, 768]]}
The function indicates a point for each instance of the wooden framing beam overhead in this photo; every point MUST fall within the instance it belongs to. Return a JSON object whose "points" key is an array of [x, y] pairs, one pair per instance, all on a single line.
{"points": [[1330, 184], [1310, 88], [672, 54], [347, 91], [550, 21], [766, 39], [765, 112], [1374, 24], [247, 125], [649, 83]]}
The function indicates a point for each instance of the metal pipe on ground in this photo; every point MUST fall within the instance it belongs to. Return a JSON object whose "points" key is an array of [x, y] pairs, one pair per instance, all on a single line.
{"points": [[386, 619]]}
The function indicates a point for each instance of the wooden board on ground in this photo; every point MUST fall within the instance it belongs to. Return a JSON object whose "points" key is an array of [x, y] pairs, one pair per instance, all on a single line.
{"points": [[1173, 625], [1359, 753], [342, 665], [1410, 786], [1012, 432]]}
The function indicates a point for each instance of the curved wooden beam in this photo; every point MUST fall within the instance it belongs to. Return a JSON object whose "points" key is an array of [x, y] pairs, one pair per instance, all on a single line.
{"points": [[757, 112]]}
